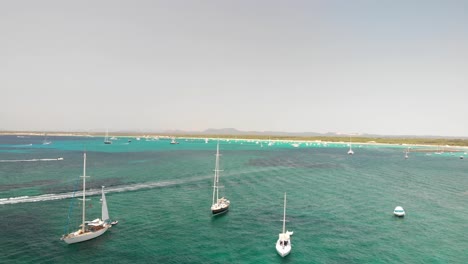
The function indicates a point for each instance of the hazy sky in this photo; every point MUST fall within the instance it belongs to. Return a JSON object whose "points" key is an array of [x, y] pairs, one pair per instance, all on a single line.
{"points": [[385, 67]]}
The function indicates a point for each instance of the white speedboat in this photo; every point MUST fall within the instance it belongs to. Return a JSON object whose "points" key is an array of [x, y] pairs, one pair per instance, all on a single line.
{"points": [[399, 211], [283, 245]]}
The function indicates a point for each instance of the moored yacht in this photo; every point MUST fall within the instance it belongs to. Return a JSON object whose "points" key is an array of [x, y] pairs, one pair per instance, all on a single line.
{"points": [[283, 244], [89, 229], [350, 151], [106, 138], [220, 205]]}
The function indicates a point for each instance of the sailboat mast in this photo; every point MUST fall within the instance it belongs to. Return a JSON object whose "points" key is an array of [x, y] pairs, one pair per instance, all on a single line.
{"points": [[84, 192], [284, 214], [217, 172], [215, 181]]}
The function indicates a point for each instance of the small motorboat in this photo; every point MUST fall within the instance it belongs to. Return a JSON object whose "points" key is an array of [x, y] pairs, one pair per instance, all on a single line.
{"points": [[399, 211], [114, 222]]}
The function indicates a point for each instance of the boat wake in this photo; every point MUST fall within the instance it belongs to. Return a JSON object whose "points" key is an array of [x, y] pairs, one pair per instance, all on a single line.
{"points": [[113, 189], [57, 159], [116, 189]]}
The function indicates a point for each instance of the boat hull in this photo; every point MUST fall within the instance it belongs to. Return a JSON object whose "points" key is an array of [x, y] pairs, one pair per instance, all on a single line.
{"points": [[220, 210], [283, 251], [84, 237]]}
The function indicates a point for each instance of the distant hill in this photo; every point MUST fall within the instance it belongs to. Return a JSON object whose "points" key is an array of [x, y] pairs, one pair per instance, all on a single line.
{"points": [[236, 132]]}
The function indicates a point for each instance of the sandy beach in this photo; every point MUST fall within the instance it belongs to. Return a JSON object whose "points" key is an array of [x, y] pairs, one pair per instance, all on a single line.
{"points": [[260, 139]]}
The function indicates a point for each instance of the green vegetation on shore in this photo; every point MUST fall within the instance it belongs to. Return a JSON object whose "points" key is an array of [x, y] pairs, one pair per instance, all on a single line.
{"points": [[382, 140]]}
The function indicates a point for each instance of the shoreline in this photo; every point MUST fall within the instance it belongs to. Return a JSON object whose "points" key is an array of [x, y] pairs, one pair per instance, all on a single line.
{"points": [[439, 143]]}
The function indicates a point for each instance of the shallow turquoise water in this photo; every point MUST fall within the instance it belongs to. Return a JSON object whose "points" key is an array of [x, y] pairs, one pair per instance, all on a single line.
{"points": [[339, 206]]}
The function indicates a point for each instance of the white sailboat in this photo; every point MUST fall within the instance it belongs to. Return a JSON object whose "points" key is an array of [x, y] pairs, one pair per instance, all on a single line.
{"points": [[89, 229], [350, 151], [220, 205], [46, 141], [106, 139], [283, 245]]}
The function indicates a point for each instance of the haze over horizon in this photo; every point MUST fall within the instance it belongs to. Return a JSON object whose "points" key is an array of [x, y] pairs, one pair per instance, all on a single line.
{"points": [[374, 67]]}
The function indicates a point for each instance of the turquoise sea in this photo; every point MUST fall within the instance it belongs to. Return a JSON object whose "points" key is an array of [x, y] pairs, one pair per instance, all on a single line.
{"points": [[339, 206]]}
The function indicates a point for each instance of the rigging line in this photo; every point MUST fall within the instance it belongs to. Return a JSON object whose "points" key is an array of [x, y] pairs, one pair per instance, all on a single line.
{"points": [[70, 208]]}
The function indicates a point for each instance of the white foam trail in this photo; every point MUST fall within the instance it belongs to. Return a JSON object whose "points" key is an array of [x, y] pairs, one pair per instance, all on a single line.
{"points": [[125, 188], [117, 189], [31, 160]]}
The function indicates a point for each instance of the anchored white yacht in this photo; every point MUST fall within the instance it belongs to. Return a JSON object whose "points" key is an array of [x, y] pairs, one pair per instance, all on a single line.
{"points": [[220, 205], [283, 245], [89, 229]]}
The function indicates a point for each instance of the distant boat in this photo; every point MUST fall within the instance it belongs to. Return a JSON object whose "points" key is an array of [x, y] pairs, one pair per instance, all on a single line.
{"points": [[283, 245], [174, 142], [440, 150], [406, 154], [461, 157], [60, 158], [399, 211], [296, 145], [106, 139], [220, 205], [46, 141], [89, 229], [114, 222], [350, 151]]}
